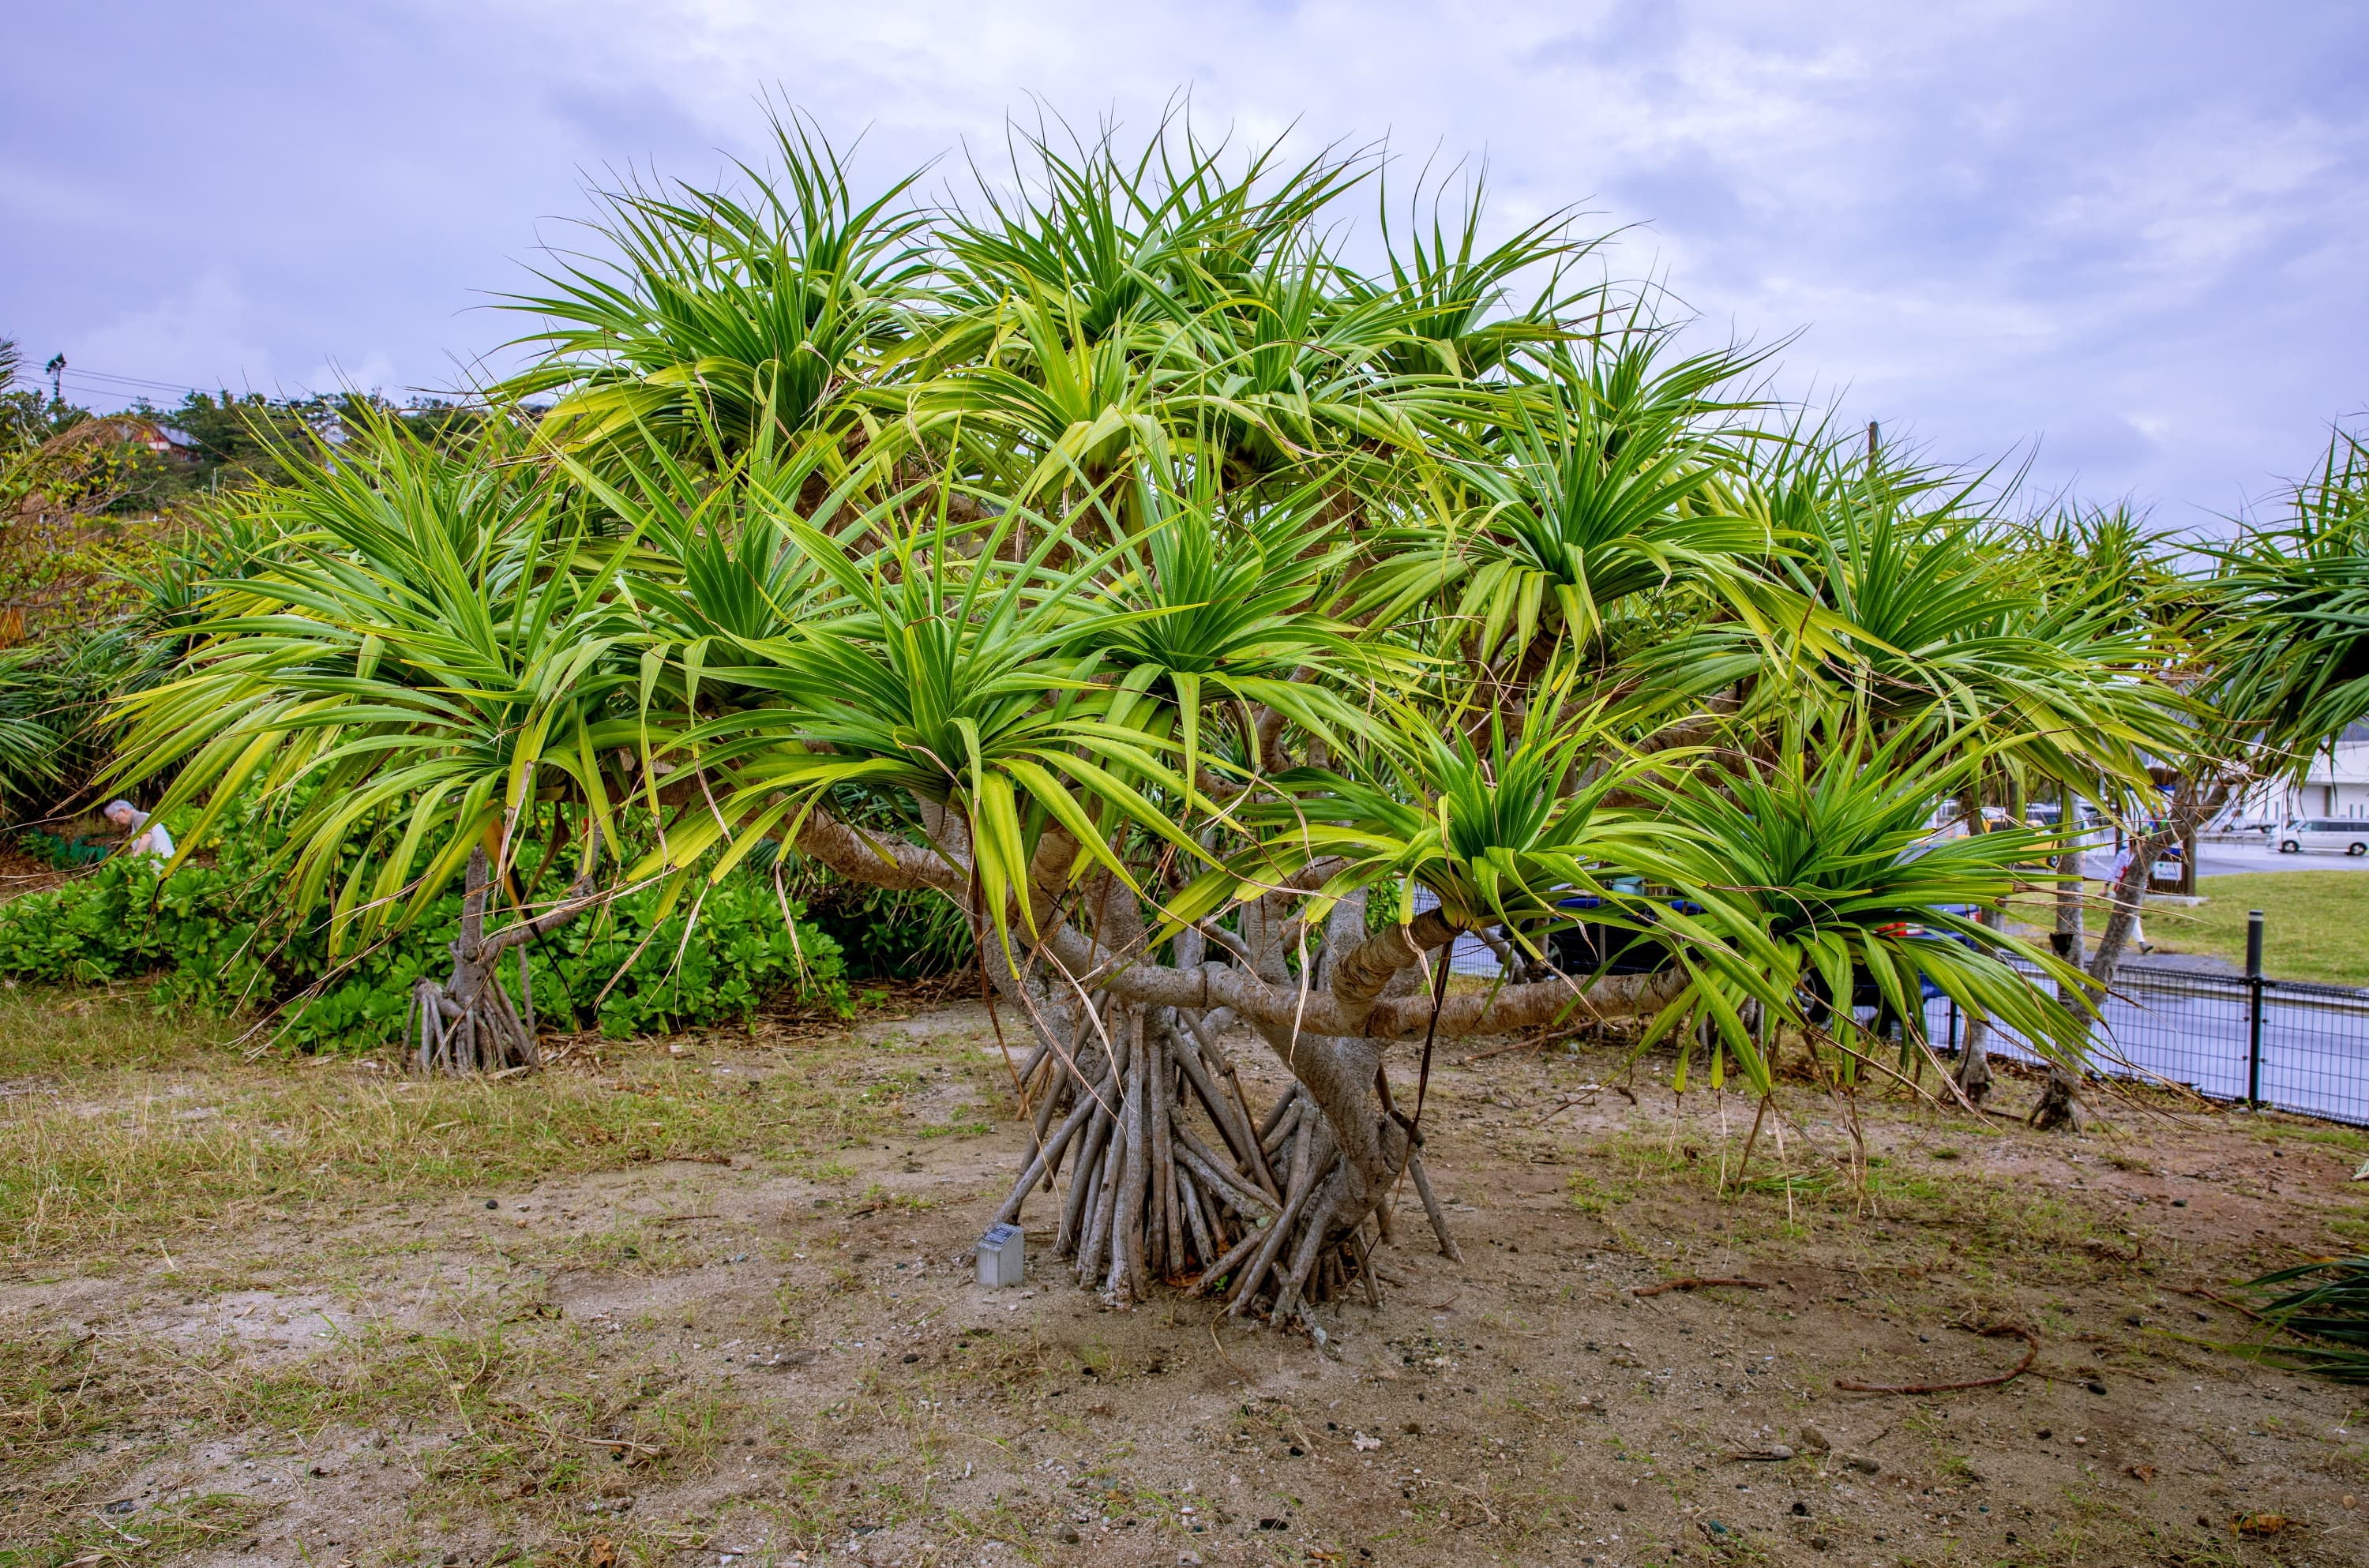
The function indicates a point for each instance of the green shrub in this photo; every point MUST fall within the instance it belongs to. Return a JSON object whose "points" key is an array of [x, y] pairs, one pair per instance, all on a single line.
{"points": [[209, 935], [881, 933], [64, 852]]}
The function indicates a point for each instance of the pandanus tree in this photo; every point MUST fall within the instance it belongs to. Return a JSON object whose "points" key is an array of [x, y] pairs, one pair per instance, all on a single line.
{"points": [[2291, 598], [422, 683], [1224, 632]]}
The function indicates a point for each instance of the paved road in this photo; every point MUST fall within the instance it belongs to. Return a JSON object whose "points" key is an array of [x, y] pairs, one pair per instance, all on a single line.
{"points": [[2229, 860], [2194, 1030]]}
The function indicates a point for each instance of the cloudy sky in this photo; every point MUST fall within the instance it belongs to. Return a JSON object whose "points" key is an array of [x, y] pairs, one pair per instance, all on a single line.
{"points": [[2124, 241]]}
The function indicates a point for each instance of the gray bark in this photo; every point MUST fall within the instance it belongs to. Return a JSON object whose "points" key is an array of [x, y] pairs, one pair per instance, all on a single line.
{"points": [[469, 1024], [1145, 1193]]}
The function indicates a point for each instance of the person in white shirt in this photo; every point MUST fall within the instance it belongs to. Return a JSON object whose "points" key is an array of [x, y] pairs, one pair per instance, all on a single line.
{"points": [[148, 836]]}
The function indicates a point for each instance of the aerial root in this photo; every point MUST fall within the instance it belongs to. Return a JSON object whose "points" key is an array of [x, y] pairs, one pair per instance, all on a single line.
{"points": [[1160, 1173]]}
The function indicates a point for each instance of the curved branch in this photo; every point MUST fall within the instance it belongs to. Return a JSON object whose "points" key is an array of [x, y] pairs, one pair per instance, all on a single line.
{"points": [[863, 856], [1366, 971], [1393, 1018]]}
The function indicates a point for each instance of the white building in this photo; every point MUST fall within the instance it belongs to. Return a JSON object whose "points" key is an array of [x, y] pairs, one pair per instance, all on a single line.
{"points": [[2335, 785]]}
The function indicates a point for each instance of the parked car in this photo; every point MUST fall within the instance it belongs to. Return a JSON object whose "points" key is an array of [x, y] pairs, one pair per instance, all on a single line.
{"points": [[2328, 833]]}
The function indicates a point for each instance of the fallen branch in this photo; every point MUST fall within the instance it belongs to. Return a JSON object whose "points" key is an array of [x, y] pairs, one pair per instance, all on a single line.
{"points": [[1587, 1096], [1996, 1331], [1692, 1283], [2218, 1299]]}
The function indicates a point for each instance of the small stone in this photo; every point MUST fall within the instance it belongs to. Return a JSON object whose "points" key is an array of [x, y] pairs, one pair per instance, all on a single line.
{"points": [[1815, 1440], [2179, 1203], [2044, 1434], [1067, 1534], [2094, 1386], [1188, 1560], [1863, 1464], [910, 1359], [1819, 1543], [490, 1203]]}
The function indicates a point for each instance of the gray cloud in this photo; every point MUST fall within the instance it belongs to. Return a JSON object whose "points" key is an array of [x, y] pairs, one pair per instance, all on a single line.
{"points": [[2128, 235]]}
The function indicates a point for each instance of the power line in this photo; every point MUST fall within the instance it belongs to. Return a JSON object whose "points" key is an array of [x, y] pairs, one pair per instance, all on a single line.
{"points": [[78, 373], [81, 391]]}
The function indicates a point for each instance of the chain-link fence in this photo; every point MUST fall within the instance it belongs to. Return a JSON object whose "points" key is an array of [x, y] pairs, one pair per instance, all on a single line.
{"points": [[2241, 1039], [2287, 1044]]}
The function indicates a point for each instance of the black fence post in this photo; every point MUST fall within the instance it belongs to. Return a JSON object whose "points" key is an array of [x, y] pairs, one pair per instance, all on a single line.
{"points": [[2254, 1008]]}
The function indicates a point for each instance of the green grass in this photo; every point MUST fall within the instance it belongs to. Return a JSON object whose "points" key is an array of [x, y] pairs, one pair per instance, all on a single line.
{"points": [[2318, 925]]}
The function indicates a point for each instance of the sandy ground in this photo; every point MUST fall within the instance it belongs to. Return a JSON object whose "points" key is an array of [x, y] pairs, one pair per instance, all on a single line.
{"points": [[740, 1364]]}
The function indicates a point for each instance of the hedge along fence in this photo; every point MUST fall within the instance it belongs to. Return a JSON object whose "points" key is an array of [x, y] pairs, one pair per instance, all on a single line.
{"points": [[208, 936]]}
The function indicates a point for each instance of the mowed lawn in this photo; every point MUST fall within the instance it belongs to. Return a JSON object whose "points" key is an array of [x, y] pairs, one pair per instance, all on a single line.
{"points": [[2316, 925]]}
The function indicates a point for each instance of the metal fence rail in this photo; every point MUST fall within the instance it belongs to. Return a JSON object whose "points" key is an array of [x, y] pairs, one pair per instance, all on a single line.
{"points": [[2290, 1045]]}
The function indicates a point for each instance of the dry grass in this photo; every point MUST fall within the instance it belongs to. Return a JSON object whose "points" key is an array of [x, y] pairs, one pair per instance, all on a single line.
{"points": [[166, 1125], [780, 1357]]}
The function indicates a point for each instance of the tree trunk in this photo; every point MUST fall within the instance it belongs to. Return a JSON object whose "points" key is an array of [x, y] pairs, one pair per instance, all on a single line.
{"points": [[2060, 1101], [1974, 1074], [469, 1024], [2195, 799], [2061, 1106], [1159, 1168]]}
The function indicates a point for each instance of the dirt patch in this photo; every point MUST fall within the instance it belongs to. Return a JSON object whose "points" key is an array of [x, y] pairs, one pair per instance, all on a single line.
{"points": [[785, 1358], [22, 873]]}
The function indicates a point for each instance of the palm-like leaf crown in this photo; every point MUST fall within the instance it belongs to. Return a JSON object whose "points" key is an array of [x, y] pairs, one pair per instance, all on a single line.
{"points": [[1122, 514], [726, 316], [2291, 603]]}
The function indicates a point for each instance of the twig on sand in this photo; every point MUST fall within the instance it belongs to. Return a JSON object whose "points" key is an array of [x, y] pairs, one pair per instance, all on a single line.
{"points": [[1694, 1283], [572, 1438], [1587, 1096], [1996, 1331], [1221, 1350]]}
